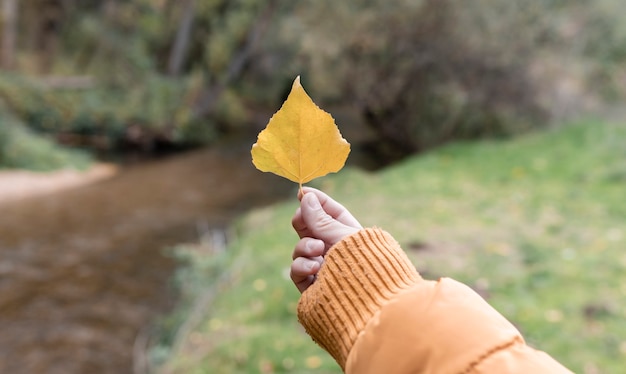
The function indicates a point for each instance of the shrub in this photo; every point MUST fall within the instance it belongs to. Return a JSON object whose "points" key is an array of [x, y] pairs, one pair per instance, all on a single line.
{"points": [[422, 73], [103, 116], [427, 72], [22, 148]]}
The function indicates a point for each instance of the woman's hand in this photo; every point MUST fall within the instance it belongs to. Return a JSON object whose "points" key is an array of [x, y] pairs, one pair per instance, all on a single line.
{"points": [[320, 223]]}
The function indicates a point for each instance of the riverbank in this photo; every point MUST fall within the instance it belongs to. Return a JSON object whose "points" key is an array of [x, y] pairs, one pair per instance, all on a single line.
{"points": [[84, 261], [20, 184]]}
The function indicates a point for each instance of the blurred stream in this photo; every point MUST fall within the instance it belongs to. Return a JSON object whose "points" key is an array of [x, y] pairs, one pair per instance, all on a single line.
{"points": [[82, 271]]}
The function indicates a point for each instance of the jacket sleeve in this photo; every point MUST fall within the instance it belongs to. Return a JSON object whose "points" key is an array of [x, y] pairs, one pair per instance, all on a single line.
{"points": [[371, 310]]}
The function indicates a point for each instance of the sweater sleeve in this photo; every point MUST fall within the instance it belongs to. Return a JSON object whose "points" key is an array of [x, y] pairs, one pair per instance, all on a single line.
{"points": [[371, 310], [360, 274]]}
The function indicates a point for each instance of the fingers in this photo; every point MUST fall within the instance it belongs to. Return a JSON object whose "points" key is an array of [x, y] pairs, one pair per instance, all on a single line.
{"points": [[308, 247], [330, 211], [307, 262], [320, 222], [333, 208], [298, 224], [317, 223], [303, 271]]}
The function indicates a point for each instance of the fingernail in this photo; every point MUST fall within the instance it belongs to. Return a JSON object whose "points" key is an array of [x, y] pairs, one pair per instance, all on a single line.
{"points": [[313, 202]]}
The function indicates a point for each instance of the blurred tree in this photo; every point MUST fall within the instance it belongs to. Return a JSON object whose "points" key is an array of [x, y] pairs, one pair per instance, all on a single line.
{"points": [[236, 34], [9, 33], [182, 40], [50, 14]]}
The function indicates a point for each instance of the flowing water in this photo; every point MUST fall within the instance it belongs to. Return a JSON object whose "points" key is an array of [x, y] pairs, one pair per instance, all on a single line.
{"points": [[82, 271]]}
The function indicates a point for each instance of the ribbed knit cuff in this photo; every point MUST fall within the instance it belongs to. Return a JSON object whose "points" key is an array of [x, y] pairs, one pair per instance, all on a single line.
{"points": [[359, 275]]}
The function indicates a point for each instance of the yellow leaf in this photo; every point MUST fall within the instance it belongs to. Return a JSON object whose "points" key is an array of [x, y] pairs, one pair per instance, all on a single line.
{"points": [[301, 141]]}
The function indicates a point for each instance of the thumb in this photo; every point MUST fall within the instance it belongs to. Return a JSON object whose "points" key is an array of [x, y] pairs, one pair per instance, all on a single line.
{"points": [[321, 225]]}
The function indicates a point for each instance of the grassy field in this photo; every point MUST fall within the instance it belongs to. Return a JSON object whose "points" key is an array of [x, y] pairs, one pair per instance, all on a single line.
{"points": [[537, 225]]}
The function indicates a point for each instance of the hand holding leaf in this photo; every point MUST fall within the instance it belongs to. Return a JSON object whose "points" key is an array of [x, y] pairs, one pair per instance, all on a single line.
{"points": [[301, 141]]}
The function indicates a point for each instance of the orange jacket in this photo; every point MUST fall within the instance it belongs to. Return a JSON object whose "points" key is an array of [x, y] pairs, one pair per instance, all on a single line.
{"points": [[371, 310]]}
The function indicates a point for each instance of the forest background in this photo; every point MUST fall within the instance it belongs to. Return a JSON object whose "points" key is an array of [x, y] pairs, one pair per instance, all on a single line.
{"points": [[161, 74]]}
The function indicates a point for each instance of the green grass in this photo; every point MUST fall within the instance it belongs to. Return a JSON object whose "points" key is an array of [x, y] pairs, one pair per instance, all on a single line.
{"points": [[536, 224], [22, 148]]}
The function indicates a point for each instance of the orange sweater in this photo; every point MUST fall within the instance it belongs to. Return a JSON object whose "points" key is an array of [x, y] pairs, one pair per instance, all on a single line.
{"points": [[371, 310]]}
